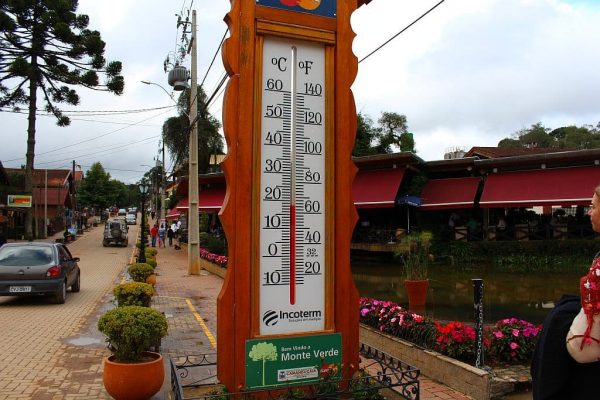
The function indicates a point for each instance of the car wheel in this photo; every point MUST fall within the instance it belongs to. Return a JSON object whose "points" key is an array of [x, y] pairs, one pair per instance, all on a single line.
{"points": [[104, 243], [76, 287], [61, 295]]}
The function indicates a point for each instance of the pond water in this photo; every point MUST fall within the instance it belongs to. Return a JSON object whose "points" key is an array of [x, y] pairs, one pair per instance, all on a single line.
{"points": [[450, 295]]}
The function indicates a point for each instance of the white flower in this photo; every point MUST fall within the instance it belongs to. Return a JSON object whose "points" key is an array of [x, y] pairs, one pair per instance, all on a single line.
{"points": [[587, 285]]}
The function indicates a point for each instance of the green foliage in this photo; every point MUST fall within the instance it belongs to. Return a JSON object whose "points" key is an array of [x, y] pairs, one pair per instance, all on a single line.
{"points": [[139, 272], [203, 221], [393, 131], [212, 243], [151, 261], [175, 132], [131, 330], [133, 294], [151, 252], [533, 256], [416, 258], [94, 190], [366, 134], [566, 137]]}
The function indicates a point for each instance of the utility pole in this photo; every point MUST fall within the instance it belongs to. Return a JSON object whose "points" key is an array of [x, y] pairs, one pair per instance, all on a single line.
{"points": [[164, 186], [193, 222]]}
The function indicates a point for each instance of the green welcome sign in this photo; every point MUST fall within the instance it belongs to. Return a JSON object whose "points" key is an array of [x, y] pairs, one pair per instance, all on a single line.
{"points": [[287, 361]]}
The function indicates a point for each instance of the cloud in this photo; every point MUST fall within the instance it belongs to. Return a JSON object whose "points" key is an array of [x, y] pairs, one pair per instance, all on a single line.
{"points": [[487, 72]]}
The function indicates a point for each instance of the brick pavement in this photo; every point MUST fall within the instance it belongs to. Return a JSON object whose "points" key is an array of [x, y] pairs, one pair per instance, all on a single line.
{"points": [[60, 357]]}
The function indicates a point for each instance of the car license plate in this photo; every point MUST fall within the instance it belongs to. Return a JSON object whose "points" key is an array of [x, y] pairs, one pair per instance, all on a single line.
{"points": [[19, 289]]}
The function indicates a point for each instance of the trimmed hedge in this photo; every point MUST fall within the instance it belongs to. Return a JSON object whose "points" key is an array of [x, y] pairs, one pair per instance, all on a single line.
{"points": [[133, 294], [140, 271], [522, 256]]}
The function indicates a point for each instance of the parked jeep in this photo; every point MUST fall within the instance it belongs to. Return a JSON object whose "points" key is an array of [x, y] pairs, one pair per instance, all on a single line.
{"points": [[115, 231]]}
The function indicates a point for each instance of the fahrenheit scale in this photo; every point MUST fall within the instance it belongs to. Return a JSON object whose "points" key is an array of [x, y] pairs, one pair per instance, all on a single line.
{"points": [[292, 250]]}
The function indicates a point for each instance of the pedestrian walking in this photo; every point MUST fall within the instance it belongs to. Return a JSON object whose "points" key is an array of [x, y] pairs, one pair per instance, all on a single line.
{"points": [[170, 235], [161, 235], [154, 234]]}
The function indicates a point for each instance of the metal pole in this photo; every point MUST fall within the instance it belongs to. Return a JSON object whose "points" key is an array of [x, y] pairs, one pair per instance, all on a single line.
{"points": [[478, 307], [193, 222]]}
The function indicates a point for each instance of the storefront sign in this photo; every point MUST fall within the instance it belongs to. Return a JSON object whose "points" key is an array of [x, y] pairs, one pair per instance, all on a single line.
{"points": [[17, 200], [285, 361]]}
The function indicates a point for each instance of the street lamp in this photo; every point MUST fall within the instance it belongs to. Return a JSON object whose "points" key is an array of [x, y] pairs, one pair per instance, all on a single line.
{"points": [[143, 186]]}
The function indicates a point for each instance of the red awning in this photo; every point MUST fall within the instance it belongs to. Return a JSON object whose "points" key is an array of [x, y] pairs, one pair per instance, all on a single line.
{"points": [[439, 194], [376, 188], [559, 186], [208, 200], [173, 213]]}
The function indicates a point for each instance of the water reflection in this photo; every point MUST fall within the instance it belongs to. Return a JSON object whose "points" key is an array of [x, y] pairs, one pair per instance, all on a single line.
{"points": [[450, 295]]}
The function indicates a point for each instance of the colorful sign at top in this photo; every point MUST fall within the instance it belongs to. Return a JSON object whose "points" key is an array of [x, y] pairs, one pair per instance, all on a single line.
{"points": [[325, 8]]}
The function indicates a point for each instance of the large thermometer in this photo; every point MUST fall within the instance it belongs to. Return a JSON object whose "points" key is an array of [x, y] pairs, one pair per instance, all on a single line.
{"points": [[292, 231]]}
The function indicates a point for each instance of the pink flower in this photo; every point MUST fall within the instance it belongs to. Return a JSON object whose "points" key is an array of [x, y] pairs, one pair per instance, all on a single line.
{"points": [[514, 345], [498, 334], [515, 332], [364, 311]]}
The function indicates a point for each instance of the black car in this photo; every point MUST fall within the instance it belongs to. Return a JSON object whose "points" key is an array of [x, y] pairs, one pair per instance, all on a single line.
{"points": [[38, 268]]}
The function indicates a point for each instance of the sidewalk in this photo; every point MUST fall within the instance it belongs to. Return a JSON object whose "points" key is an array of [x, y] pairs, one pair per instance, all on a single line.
{"points": [[190, 303]]}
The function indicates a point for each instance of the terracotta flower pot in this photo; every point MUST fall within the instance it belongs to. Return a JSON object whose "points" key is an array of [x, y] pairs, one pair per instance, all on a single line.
{"points": [[151, 279], [134, 381], [417, 292]]}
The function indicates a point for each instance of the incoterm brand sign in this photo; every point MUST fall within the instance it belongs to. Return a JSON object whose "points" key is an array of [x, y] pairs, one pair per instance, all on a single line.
{"points": [[325, 8]]}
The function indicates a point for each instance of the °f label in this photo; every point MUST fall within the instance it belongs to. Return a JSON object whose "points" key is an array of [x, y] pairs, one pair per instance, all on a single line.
{"points": [[292, 192]]}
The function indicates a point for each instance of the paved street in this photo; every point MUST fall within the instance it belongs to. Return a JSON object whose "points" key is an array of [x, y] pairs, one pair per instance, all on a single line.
{"points": [[37, 360]]}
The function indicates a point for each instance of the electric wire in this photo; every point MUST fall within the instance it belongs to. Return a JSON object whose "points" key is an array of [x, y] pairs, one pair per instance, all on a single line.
{"points": [[397, 34], [214, 57], [90, 113]]}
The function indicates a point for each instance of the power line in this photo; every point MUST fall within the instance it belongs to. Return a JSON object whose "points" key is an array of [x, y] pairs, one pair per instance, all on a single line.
{"points": [[214, 56], [91, 113], [397, 34]]}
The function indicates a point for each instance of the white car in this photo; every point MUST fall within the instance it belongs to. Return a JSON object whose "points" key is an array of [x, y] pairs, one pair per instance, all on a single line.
{"points": [[130, 219]]}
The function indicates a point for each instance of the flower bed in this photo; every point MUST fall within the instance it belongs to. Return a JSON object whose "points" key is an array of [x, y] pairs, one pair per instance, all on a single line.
{"points": [[218, 259], [510, 340]]}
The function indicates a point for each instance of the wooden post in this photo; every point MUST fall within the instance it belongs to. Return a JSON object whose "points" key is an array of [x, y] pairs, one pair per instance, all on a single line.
{"points": [[257, 28]]}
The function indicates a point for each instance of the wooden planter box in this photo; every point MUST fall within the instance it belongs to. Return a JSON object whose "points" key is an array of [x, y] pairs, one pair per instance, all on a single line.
{"points": [[474, 382], [213, 268]]}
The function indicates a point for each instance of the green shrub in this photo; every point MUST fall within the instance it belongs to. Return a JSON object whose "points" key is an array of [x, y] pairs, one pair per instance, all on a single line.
{"points": [[150, 251], [131, 330], [151, 261], [140, 271], [133, 294], [212, 243]]}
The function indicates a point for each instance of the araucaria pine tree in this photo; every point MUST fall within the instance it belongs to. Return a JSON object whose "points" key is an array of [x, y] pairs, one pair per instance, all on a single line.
{"points": [[46, 48]]}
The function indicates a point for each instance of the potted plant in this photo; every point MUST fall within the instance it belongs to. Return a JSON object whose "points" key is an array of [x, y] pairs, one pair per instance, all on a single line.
{"points": [[416, 262], [131, 331], [142, 272], [133, 294]]}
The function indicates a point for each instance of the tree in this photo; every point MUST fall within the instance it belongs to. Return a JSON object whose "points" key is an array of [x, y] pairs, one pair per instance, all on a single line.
{"points": [[366, 134], [393, 131], [535, 136], [47, 46], [264, 352], [176, 132], [94, 190]]}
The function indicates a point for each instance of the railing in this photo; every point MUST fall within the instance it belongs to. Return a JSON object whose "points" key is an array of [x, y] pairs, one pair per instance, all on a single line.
{"points": [[382, 375]]}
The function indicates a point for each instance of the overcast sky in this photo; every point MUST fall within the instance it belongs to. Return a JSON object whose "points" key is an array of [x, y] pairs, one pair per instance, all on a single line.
{"points": [[469, 74]]}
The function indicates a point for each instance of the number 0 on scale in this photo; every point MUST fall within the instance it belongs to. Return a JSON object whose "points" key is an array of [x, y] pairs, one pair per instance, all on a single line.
{"points": [[292, 188]]}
